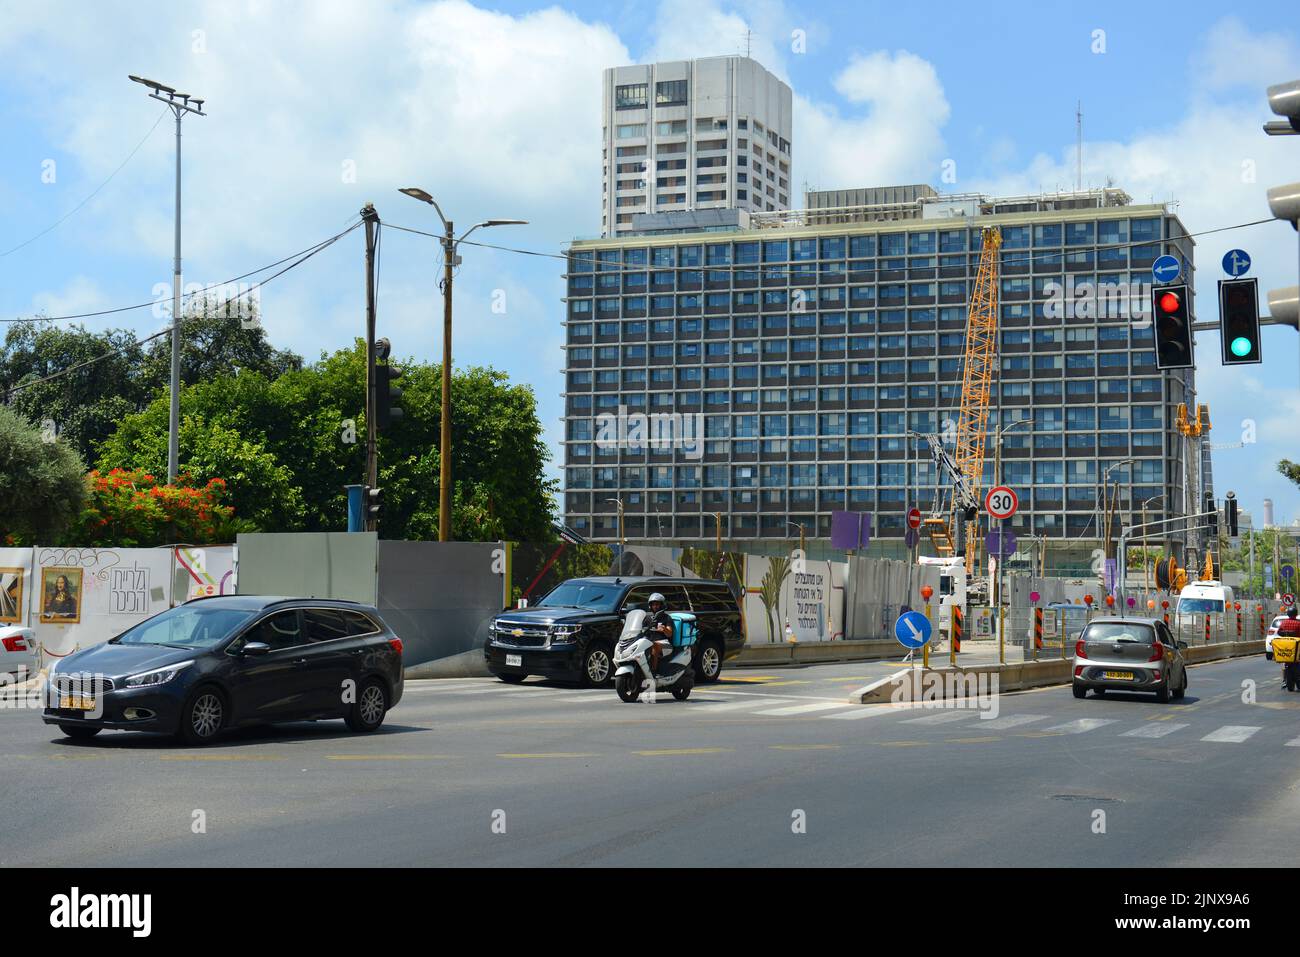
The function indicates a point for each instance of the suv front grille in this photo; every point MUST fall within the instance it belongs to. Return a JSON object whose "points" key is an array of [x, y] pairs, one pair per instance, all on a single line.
{"points": [[521, 635]]}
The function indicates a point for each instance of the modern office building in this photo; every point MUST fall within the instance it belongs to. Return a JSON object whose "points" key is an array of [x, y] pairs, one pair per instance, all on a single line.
{"points": [[693, 135], [808, 348]]}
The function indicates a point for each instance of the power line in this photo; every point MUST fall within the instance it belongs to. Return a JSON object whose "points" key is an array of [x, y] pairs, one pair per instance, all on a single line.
{"points": [[771, 270], [139, 342], [74, 209], [108, 312]]}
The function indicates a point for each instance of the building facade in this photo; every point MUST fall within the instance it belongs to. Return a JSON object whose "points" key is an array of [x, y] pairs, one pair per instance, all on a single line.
{"points": [[700, 134], [800, 360]]}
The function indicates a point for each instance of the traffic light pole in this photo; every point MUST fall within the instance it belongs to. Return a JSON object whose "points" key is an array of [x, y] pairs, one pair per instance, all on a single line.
{"points": [[371, 219]]}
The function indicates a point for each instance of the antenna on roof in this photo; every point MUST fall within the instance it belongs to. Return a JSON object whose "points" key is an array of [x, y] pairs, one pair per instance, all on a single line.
{"points": [[1078, 148]]}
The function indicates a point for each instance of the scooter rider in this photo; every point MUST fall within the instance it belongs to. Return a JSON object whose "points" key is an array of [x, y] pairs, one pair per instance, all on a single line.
{"points": [[1288, 627], [660, 621]]}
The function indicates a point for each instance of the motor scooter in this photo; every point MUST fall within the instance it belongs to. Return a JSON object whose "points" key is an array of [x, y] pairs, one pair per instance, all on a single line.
{"points": [[633, 674]]}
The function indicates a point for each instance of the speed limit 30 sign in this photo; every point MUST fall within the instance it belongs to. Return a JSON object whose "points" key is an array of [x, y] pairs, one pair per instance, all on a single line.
{"points": [[1001, 502]]}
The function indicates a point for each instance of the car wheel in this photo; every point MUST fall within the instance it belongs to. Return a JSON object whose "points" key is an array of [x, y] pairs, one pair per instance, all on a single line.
{"points": [[708, 667], [1268, 656], [203, 717], [596, 665], [1182, 688], [368, 710], [1080, 691], [80, 732], [1162, 694], [512, 679], [627, 686]]}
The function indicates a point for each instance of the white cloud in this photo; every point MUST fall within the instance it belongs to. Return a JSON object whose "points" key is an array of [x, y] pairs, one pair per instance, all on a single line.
{"points": [[80, 295], [897, 136]]}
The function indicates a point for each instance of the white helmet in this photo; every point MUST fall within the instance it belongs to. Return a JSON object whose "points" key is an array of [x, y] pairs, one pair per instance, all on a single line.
{"points": [[656, 597]]}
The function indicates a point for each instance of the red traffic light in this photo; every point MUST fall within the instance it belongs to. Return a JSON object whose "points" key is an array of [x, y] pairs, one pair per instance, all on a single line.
{"points": [[1169, 302]]}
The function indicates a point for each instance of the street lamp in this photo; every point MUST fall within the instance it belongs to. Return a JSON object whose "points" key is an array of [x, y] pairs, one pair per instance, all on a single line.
{"points": [[449, 261], [619, 502], [1146, 560], [180, 104], [798, 525]]}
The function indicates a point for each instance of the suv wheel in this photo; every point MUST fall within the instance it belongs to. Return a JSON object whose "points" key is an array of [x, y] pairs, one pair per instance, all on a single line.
{"points": [[202, 718], [511, 679], [708, 667], [597, 665], [368, 710]]}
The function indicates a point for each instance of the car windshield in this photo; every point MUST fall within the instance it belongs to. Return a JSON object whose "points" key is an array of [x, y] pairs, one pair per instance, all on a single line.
{"points": [[583, 594], [195, 625], [1199, 606], [1119, 631]]}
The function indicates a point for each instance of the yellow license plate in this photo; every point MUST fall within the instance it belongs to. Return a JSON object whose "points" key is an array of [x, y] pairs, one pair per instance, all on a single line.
{"points": [[1118, 675], [76, 702]]}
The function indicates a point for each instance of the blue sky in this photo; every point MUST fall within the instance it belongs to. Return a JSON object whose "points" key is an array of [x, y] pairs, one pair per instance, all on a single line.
{"points": [[495, 110]]}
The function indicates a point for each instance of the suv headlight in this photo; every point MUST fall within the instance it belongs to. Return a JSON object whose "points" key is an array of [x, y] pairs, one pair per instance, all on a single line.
{"points": [[564, 633], [159, 676]]}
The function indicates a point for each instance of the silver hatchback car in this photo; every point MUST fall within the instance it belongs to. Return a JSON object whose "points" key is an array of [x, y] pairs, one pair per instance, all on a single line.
{"points": [[1129, 654]]}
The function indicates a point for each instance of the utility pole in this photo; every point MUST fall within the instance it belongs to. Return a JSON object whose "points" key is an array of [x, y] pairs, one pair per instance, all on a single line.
{"points": [[371, 219], [180, 104]]}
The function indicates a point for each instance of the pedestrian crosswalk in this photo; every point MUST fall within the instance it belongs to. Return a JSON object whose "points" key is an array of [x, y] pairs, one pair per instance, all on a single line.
{"points": [[931, 723]]}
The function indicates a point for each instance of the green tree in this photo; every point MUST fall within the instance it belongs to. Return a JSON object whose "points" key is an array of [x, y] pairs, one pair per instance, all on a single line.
{"points": [[1290, 469], [41, 483], [84, 405]]}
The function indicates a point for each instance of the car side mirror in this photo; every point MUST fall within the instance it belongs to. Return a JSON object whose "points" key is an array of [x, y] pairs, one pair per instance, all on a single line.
{"points": [[254, 649], [1182, 645]]}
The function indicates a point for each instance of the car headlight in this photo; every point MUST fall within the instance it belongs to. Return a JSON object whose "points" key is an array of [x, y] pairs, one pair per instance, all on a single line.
{"points": [[159, 676], [563, 633]]}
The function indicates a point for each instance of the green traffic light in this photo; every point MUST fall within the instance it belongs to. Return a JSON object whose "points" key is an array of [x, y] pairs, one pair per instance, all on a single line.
{"points": [[1240, 346]]}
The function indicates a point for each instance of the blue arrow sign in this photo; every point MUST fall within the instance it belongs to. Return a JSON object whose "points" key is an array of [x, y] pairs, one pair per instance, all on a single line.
{"points": [[1236, 262], [1166, 269], [912, 630], [1288, 571]]}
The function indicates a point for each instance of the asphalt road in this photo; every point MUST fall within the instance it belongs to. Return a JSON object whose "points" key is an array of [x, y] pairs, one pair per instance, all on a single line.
{"points": [[475, 772]]}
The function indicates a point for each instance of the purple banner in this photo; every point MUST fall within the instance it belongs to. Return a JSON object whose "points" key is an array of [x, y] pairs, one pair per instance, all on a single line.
{"points": [[850, 530]]}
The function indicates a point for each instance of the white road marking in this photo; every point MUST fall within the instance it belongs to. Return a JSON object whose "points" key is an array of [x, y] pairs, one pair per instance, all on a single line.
{"points": [[1231, 734], [712, 706], [806, 708], [1156, 729], [1081, 726], [942, 717], [1010, 721], [861, 711], [1293, 743]]}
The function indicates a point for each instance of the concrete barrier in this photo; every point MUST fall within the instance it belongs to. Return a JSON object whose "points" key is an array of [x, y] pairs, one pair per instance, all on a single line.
{"points": [[815, 652], [936, 683]]}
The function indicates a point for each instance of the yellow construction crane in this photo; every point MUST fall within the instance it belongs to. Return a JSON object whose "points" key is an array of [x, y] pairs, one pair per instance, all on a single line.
{"points": [[976, 386]]}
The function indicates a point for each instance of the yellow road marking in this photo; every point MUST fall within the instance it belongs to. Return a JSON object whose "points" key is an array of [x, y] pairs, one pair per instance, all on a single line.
{"points": [[984, 740], [670, 751], [904, 744], [1040, 734], [221, 757], [551, 754], [805, 747], [388, 757]]}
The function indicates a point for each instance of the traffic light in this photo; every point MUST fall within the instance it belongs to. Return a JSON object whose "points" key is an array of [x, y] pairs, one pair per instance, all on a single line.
{"points": [[1172, 318], [1212, 514], [1239, 321], [370, 503], [1230, 513], [386, 392]]}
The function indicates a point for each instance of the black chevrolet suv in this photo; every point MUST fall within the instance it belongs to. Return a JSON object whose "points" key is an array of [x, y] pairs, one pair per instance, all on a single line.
{"points": [[571, 632]]}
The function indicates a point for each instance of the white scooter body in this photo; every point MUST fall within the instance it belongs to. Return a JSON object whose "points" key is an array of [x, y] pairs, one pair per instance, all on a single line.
{"points": [[632, 662]]}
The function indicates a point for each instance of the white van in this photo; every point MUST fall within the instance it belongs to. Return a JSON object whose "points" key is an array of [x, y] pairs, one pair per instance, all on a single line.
{"points": [[1204, 598]]}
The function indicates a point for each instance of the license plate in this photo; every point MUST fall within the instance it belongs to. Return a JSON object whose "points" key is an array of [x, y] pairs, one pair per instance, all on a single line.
{"points": [[76, 703], [514, 661], [1118, 675]]}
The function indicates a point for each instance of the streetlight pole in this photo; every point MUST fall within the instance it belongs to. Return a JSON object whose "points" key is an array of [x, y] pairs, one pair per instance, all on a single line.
{"points": [[622, 541], [997, 480], [1146, 558], [180, 104], [449, 262]]}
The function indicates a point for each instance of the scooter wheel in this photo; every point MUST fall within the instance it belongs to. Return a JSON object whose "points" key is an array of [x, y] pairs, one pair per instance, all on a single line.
{"points": [[628, 687]]}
